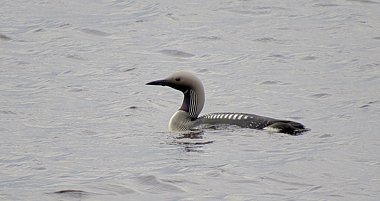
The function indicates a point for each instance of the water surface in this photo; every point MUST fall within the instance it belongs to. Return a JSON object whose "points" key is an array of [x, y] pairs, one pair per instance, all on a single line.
{"points": [[78, 123]]}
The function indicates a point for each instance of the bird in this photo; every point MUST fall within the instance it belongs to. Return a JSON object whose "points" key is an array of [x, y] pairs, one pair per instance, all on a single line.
{"points": [[188, 117]]}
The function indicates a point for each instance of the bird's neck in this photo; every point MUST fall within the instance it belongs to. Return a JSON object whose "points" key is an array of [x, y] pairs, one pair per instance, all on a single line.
{"points": [[193, 102]]}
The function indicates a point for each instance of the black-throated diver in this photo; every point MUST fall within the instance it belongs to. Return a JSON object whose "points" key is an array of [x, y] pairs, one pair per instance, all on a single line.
{"points": [[186, 118]]}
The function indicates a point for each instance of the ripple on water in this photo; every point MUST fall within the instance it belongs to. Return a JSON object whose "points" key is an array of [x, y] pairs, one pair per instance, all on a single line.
{"points": [[75, 56], [65, 88], [108, 188], [324, 4], [320, 95], [265, 39], [253, 12], [209, 38], [364, 1], [273, 82], [95, 32], [233, 59], [176, 53], [151, 183], [4, 37], [309, 58], [369, 104], [7, 112], [70, 193]]}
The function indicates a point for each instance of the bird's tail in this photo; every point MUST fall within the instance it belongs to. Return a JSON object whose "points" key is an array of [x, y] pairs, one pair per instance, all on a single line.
{"points": [[288, 127]]}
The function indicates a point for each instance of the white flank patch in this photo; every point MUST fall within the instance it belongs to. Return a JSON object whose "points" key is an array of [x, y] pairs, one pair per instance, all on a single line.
{"points": [[235, 116], [240, 116], [245, 117], [271, 129], [230, 116]]}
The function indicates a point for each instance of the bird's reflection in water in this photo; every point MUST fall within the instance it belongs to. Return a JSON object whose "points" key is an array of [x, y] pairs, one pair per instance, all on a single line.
{"points": [[191, 141]]}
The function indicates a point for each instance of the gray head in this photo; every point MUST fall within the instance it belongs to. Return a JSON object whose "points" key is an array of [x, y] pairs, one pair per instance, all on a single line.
{"points": [[192, 88]]}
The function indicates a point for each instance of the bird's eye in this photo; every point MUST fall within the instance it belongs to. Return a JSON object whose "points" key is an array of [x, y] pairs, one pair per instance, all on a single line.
{"points": [[178, 79]]}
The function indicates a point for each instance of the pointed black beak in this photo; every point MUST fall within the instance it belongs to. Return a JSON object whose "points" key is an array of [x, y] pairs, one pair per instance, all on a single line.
{"points": [[158, 82], [167, 82]]}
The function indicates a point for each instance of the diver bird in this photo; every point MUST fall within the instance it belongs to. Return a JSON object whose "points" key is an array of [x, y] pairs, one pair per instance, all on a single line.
{"points": [[187, 117]]}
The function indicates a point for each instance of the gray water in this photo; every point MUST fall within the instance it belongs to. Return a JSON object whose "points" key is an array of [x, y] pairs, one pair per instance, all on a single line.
{"points": [[77, 121]]}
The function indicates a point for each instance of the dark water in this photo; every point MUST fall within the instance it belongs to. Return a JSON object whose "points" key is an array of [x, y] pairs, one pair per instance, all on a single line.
{"points": [[78, 123]]}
